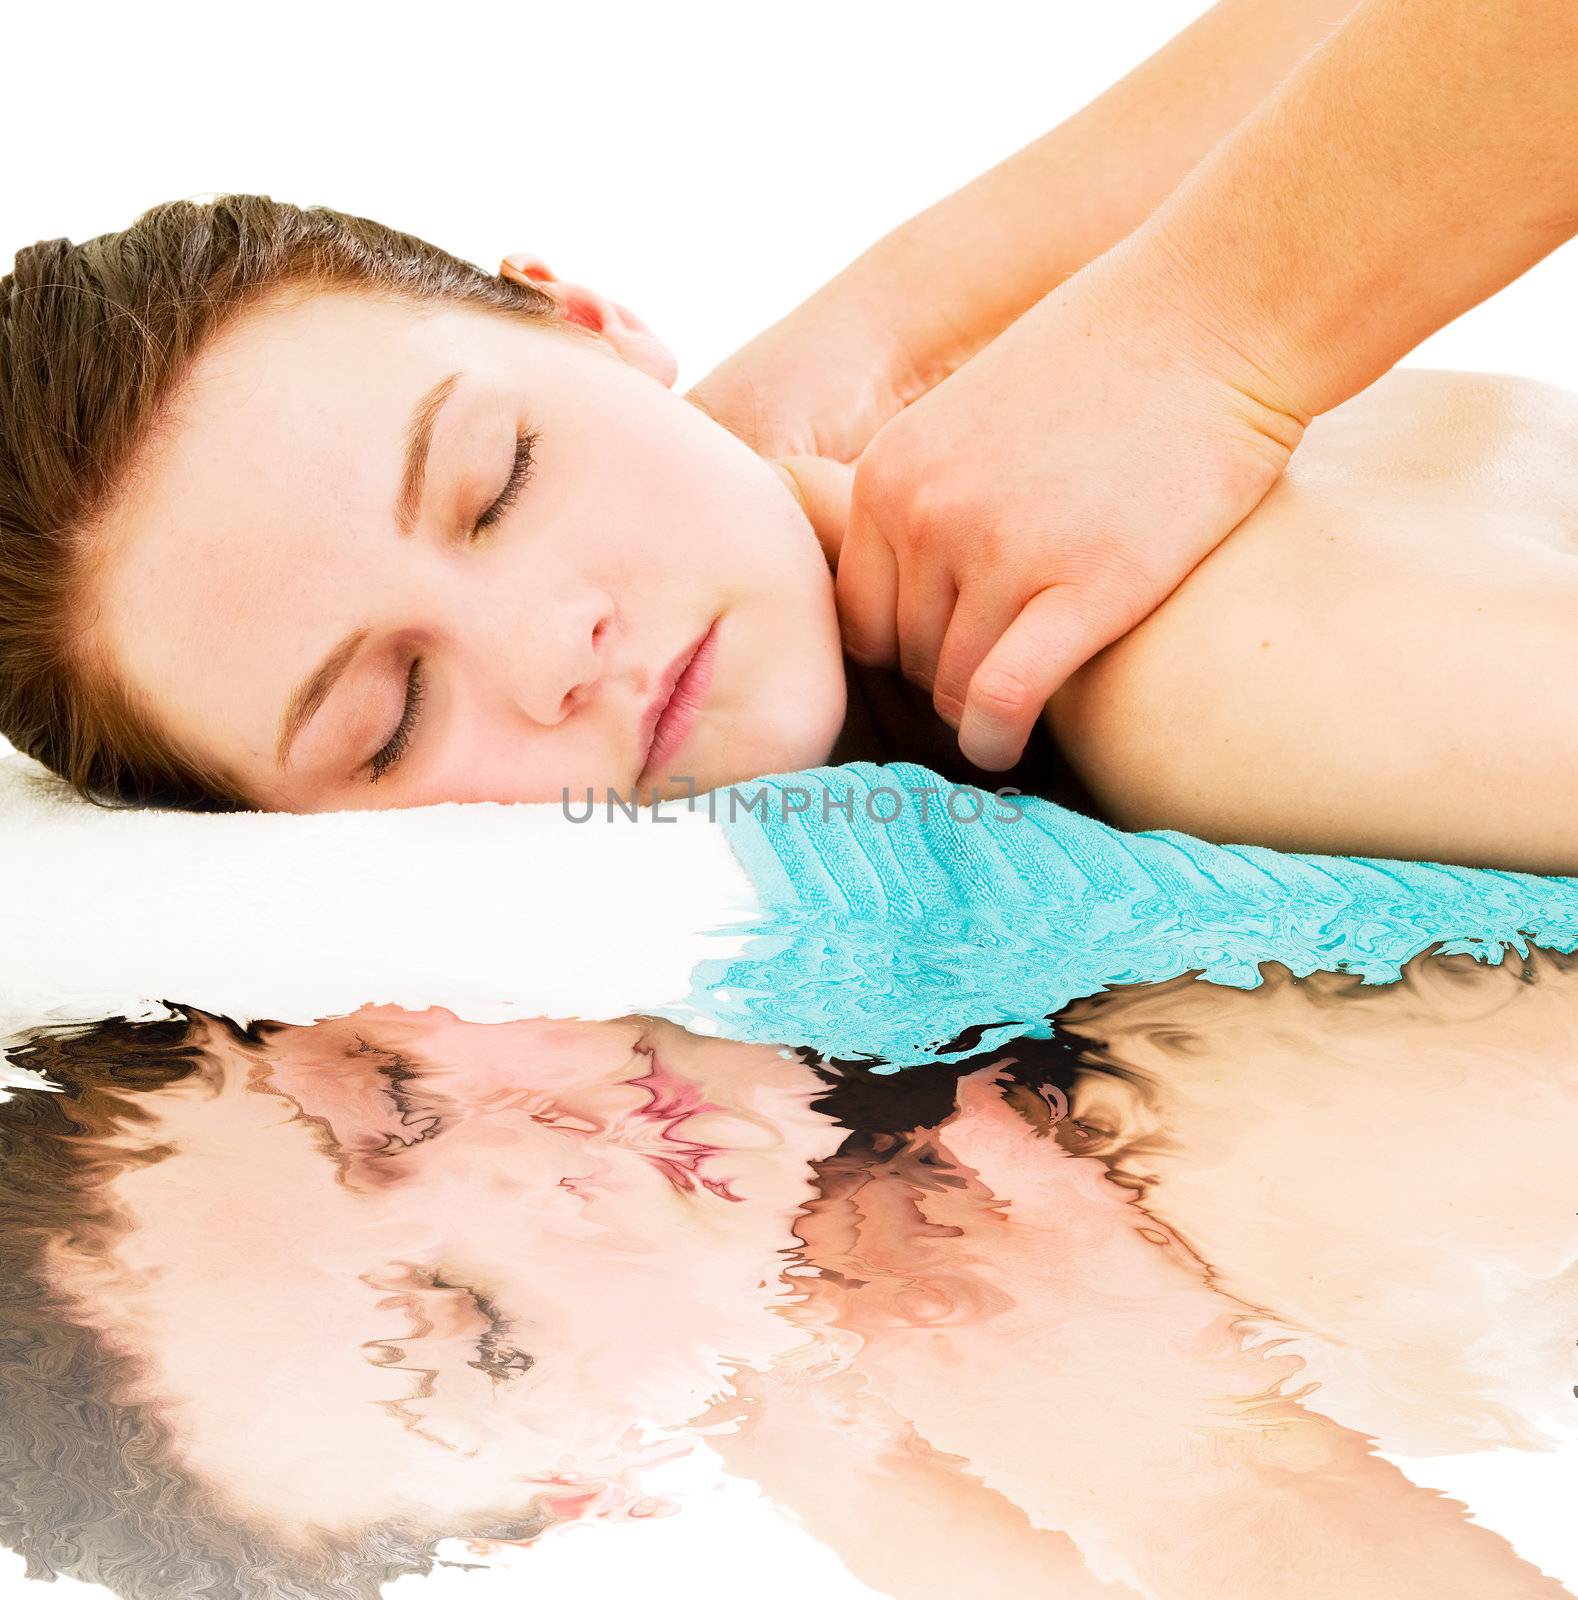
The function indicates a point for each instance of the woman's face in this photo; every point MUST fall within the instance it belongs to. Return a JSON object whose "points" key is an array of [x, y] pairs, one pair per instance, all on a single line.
{"points": [[400, 1263], [314, 585]]}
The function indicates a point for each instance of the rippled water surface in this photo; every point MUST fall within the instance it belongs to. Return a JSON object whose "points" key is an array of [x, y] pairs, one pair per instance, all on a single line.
{"points": [[1185, 1291]]}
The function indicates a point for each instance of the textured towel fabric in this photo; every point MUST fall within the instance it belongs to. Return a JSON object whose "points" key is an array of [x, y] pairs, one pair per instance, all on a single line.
{"points": [[890, 938]]}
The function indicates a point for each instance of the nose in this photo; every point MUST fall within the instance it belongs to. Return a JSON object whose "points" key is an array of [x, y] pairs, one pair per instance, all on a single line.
{"points": [[547, 655]]}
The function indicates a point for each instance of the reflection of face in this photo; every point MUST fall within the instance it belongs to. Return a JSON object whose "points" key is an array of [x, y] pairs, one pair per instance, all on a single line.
{"points": [[397, 1262], [521, 656]]}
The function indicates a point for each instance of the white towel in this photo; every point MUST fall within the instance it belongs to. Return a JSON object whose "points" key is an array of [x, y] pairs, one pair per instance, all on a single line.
{"points": [[492, 911]]}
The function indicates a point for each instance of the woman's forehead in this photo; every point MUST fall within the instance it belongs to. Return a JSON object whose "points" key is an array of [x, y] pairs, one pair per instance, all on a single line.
{"points": [[311, 332], [289, 431], [299, 383], [253, 517], [321, 384]]}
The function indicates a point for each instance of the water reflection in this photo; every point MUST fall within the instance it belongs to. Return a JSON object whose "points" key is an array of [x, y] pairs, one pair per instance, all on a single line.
{"points": [[1117, 1313]]}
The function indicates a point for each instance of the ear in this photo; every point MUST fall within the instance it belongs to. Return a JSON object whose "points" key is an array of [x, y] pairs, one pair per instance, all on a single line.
{"points": [[631, 338]]}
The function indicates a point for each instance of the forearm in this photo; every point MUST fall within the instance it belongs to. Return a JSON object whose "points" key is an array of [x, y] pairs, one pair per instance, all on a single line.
{"points": [[1189, 1504], [1202, 1480], [1178, 1487], [1305, 1511], [902, 1519], [951, 278], [1420, 160]]}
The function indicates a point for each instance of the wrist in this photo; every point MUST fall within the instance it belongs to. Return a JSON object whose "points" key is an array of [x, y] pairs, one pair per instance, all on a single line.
{"points": [[1167, 309], [1263, 346], [912, 308], [821, 381]]}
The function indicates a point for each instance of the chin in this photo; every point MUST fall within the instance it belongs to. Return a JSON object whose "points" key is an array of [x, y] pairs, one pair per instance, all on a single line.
{"points": [[791, 724], [806, 742]]}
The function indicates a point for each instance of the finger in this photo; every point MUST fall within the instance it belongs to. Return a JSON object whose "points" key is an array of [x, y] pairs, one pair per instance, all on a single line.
{"points": [[736, 410], [867, 592], [982, 616], [925, 606], [823, 489], [985, 1133], [1058, 630], [979, 1095]]}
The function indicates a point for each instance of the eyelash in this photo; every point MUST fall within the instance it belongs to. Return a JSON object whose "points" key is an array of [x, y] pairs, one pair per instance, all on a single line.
{"points": [[396, 1073], [415, 688], [494, 1357], [519, 477]]}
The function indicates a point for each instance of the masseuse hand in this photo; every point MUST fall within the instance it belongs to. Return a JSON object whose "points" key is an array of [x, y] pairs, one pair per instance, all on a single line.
{"points": [[1414, 160], [1046, 497], [1033, 506]]}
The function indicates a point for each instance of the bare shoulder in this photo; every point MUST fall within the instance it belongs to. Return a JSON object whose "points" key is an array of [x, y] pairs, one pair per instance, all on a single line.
{"points": [[1450, 400], [1380, 638], [1491, 435]]}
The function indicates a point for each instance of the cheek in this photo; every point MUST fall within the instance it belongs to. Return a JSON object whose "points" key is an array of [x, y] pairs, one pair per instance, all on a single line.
{"points": [[672, 492], [476, 1063], [634, 1311], [606, 1224]]}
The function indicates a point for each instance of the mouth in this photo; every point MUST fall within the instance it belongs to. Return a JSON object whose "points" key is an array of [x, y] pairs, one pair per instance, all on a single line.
{"points": [[674, 1100], [667, 722]]}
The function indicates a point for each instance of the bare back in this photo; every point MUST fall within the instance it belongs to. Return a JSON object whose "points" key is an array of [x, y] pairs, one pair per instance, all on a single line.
{"points": [[1380, 659]]}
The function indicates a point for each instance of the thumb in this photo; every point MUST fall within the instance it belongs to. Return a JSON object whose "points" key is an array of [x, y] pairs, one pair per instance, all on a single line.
{"points": [[823, 487]]}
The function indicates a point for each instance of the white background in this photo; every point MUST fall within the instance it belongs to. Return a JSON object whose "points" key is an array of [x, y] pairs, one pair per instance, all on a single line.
{"points": [[708, 164]]}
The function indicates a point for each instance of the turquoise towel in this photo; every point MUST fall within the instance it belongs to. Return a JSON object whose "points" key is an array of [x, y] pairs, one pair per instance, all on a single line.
{"points": [[888, 939]]}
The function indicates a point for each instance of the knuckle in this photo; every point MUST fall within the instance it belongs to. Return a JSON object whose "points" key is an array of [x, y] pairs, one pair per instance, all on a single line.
{"points": [[948, 703], [883, 481], [916, 666], [908, 500], [989, 545], [1001, 688], [1111, 567]]}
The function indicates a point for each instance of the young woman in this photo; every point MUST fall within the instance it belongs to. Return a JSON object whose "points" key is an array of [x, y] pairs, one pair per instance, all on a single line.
{"points": [[297, 512], [286, 1306]]}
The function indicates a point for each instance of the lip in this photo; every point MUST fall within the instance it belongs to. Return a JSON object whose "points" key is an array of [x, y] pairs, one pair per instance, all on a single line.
{"points": [[674, 1097], [667, 721], [675, 1100]]}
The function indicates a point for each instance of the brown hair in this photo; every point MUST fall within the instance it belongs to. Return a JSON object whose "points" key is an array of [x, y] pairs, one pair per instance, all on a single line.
{"points": [[95, 339]]}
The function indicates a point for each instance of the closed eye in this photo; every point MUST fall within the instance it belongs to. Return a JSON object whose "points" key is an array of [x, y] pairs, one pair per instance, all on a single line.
{"points": [[394, 747], [495, 1356], [520, 474], [399, 1076], [492, 1355]]}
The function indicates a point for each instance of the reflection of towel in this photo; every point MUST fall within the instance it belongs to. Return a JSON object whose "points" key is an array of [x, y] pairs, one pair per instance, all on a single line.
{"points": [[896, 920]]}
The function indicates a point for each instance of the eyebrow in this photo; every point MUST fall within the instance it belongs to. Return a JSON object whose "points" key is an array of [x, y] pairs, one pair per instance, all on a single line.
{"points": [[418, 439], [313, 690]]}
